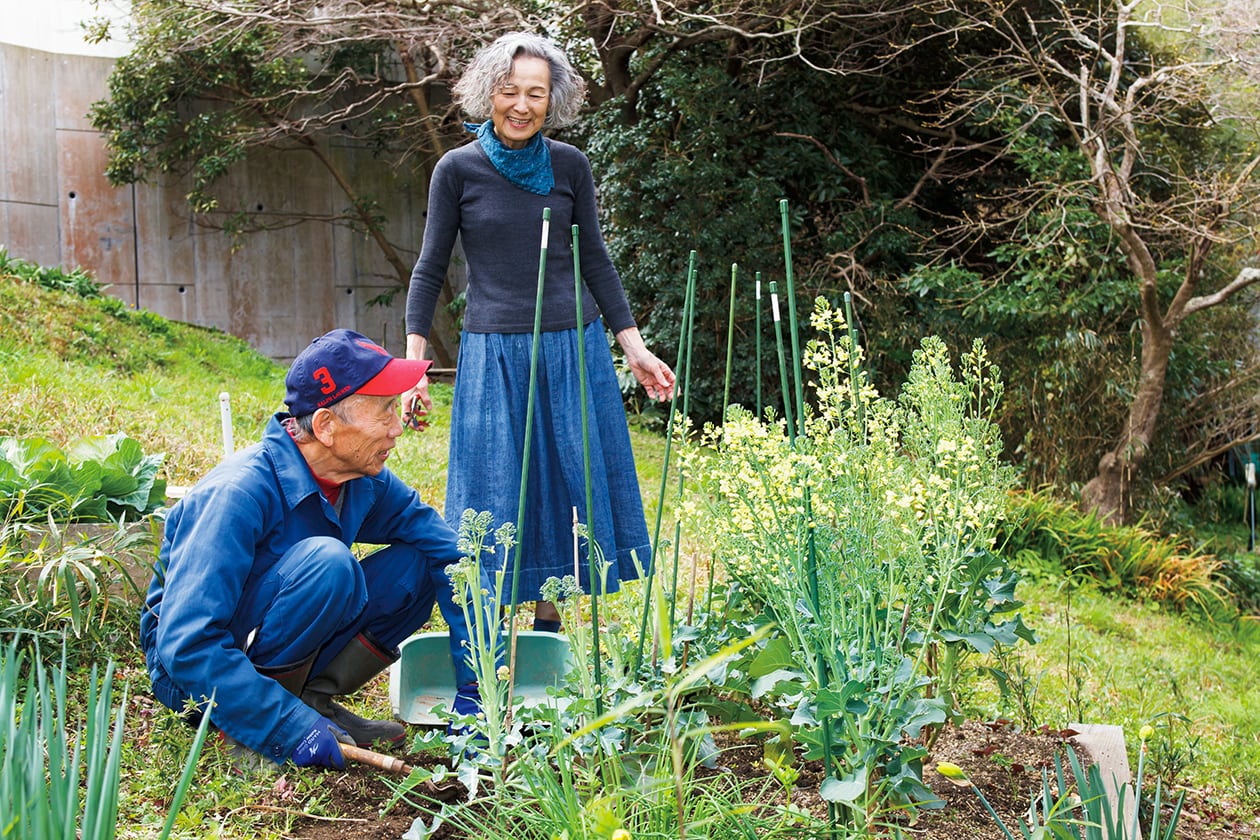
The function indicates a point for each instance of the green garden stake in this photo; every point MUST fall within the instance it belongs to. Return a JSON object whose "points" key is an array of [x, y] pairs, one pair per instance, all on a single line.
{"points": [[757, 375], [691, 332], [686, 389], [586, 476], [811, 547], [791, 296], [529, 427], [1250, 472], [812, 554], [683, 330], [853, 355], [730, 343], [783, 375]]}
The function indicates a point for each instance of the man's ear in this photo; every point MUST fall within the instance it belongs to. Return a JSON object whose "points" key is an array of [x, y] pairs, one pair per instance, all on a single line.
{"points": [[323, 423]]}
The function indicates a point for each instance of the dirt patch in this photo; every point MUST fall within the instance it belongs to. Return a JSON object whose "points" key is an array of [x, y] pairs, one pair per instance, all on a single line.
{"points": [[1004, 762]]}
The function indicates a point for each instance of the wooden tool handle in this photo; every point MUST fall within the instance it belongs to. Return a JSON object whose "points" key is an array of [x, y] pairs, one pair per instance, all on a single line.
{"points": [[379, 760]]}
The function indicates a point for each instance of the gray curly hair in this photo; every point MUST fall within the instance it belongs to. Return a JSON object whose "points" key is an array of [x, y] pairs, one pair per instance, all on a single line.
{"points": [[492, 66]]}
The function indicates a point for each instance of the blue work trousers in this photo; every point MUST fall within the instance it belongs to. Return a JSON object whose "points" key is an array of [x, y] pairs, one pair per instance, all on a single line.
{"points": [[318, 596]]}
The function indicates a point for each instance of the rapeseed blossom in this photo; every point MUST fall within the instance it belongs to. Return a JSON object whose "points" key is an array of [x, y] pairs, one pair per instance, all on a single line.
{"points": [[912, 486]]}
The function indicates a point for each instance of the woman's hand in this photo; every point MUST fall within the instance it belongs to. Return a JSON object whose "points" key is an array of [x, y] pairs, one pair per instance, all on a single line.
{"points": [[654, 375], [416, 402]]}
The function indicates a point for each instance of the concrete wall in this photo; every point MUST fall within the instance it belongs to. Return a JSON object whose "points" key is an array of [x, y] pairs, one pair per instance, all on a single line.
{"points": [[276, 289]]}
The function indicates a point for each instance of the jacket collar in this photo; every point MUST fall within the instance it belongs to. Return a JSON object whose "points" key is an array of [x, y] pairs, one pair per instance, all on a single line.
{"points": [[293, 473]]}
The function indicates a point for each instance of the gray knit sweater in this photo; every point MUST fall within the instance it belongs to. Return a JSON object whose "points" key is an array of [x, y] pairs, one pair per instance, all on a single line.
{"points": [[501, 229]]}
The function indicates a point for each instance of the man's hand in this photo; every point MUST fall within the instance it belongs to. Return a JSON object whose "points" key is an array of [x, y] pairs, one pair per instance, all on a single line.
{"points": [[321, 747]]}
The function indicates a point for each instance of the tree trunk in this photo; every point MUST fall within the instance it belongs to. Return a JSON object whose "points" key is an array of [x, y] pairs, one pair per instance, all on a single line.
{"points": [[441, 354], [1108, 492]]}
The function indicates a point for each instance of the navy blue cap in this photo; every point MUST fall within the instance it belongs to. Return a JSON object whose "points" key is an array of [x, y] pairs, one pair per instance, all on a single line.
{"points": [[343, 362]]}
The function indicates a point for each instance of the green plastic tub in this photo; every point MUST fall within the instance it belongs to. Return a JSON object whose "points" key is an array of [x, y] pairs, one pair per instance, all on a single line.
{"points": [[422, 679]]}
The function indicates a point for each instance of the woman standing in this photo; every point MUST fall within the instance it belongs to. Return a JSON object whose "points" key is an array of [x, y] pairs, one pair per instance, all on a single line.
{"points": [[492, 193]]}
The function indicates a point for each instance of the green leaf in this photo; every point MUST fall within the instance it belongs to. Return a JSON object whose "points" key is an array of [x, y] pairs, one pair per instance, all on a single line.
{"points": [[782, 681], [848, 790], [829, 703], [775, 656], [97, 478], [921, 713], [1001, 590], [22, 453], [127, 474], [980, 642]]}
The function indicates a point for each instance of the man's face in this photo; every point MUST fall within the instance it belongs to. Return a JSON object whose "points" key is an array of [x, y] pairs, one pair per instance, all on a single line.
{"points": [[364, 433]]}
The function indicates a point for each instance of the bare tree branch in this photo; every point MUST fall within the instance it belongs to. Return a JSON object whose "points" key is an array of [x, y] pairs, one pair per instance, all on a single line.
{"points": [[1245, 278], [1114, 92]]}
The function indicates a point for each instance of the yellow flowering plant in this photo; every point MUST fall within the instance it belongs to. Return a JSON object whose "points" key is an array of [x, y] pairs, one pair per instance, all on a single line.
{"points": [[867, 539]]}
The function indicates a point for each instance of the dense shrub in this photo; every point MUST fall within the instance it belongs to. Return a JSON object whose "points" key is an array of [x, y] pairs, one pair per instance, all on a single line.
{"points": [[1053, 538], [687, 176]]}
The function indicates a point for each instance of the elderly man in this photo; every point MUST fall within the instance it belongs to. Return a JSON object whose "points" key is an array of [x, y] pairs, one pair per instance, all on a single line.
{"points": [[257, 600]]}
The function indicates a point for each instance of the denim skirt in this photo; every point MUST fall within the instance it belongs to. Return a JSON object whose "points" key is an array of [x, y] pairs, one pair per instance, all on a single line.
{"points": [[487, 443]]}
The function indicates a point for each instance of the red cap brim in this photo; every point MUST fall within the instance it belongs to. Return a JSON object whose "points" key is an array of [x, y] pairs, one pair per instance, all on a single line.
{"points": [[398, 376]]}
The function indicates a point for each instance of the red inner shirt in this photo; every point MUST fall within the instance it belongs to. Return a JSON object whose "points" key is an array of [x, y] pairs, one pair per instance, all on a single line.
{"points": [[330, 489]]}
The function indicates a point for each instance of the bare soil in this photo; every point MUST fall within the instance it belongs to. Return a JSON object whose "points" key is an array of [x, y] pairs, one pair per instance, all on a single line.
{"points": [[1002, 761]]}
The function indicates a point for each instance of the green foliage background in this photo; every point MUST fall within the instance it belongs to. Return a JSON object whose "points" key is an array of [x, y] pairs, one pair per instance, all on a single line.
{"points": [[686, 175], [714, 145]]}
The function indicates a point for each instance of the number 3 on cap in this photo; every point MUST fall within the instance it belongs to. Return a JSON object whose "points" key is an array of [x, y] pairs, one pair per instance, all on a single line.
{"points": [[325, 380]]}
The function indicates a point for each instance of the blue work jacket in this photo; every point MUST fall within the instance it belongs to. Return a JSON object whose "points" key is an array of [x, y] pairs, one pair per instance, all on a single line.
{"points": [[229, 530]]}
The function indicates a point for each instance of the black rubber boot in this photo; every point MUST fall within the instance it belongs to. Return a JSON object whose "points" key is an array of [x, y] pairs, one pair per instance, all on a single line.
{"points": [[361, 659], [291, 677]]}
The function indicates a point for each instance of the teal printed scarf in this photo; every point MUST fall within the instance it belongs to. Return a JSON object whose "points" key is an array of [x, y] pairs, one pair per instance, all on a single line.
{"points": [[528, 168]]}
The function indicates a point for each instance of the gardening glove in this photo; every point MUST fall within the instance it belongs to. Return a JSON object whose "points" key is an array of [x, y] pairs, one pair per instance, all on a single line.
{"points": [[321, 747]]}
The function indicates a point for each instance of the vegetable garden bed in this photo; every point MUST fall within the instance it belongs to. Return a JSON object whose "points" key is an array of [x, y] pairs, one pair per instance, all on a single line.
{"points": [[1004, 761]]}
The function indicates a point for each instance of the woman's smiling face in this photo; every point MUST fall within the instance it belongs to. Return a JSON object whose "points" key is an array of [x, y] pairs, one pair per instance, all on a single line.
{"points": [[519, 105]]}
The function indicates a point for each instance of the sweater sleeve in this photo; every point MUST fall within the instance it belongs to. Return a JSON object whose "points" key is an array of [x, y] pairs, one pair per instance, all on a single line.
{"points": [[440, 229]]}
